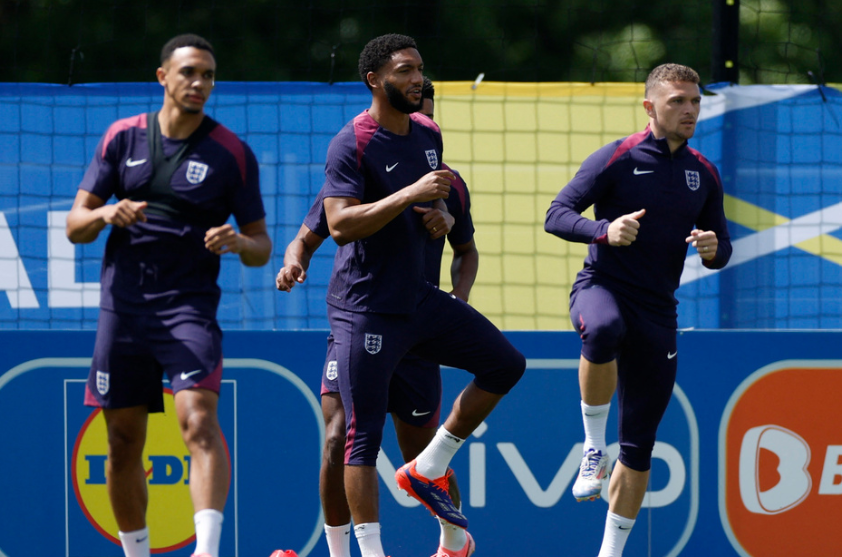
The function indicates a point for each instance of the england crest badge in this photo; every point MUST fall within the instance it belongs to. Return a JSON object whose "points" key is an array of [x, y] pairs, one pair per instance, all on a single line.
{"points": [[373, 343], [196, 172], [693, 179], [433, 158], [103, 382], [332, 370]]}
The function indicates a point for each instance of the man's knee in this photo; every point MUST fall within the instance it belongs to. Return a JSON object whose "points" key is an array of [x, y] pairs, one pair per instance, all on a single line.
{"points": [[333, 414], [636, 457], [126, 437], [509, 367], [600, 342], [124, 452], [334, 452], [516, 367], [200, 430]]}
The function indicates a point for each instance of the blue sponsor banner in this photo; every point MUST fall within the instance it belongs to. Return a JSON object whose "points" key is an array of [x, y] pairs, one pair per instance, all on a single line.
{"points": [[514, 472]]}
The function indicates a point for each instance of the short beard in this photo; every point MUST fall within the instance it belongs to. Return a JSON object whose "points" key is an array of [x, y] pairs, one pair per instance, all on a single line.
{"points": [[190, 109], [399, 101]]}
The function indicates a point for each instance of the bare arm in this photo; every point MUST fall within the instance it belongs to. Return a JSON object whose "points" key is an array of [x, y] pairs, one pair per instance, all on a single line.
{"points": [[350, 220], [251, 243], [297, 258], [463, 269], [90, 215]]}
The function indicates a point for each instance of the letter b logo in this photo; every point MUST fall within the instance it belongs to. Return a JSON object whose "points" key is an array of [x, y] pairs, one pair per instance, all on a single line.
{"points": [[790, 454]]}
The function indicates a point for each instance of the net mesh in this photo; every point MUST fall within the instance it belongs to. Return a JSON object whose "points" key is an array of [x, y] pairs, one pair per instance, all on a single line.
{"points": [[517, 138]]}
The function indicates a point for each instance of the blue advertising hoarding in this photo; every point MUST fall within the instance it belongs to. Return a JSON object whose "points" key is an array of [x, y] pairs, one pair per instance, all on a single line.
{"points": [[739, 468]]}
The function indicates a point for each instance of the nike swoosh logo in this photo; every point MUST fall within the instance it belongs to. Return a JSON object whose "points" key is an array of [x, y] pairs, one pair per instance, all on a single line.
{"points": [[189, 374], [671, 355], [130, 162], [637, 172], [391, 168], [621, 528], [417, 413], [138, 540]]}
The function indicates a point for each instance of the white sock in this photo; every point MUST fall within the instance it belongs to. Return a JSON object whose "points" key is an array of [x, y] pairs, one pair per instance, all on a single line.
{"points": [[208, 531], [617, 529], [135, 544], [433, 461], [338, 540], [368, 536], [451, 537], [595, 419]]}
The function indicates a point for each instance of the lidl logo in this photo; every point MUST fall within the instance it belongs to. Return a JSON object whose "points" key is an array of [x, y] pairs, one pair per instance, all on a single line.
{"points": [[780, 466], [167, 465]]}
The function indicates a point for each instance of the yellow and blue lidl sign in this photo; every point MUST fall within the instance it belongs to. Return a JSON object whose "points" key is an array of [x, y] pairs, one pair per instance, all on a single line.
{"points": [[167, 466]]}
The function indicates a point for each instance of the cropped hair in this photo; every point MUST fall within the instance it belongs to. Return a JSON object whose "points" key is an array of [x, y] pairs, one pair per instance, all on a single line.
{"points": [[428, 90], [379, 50], [181, 41], [668, 73]]}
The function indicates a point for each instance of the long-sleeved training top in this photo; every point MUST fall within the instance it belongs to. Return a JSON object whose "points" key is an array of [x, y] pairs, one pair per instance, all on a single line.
{"points": [[679, 191]]}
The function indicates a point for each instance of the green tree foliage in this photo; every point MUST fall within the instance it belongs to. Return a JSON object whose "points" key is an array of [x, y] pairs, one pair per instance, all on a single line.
{"points": [[76, 41]]}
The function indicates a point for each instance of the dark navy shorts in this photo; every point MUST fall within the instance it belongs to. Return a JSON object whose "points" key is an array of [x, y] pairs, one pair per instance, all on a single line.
{"points": [[647, 361], [443, 329], [133, 352], [414, 393]]}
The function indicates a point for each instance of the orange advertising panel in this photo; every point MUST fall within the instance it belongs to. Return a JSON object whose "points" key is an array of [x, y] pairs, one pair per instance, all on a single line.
{"points": [[782, 441]]}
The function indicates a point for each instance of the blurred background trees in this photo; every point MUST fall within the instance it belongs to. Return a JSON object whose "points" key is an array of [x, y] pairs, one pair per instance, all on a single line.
{"points": [[84, 41]]}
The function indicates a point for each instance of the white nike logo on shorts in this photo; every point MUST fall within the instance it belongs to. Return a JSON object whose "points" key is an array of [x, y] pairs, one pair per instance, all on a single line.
{"points": [[416, 413], [671, 355], [391, 168], [188, 374], [130, 162]]}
